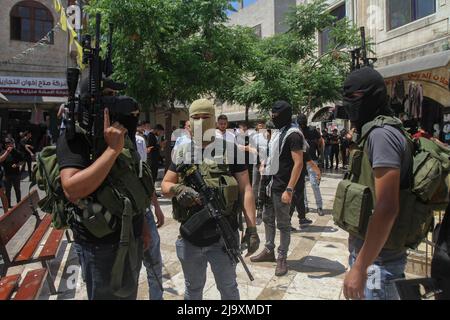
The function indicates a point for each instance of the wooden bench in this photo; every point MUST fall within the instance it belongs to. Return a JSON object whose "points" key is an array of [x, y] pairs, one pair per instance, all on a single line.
{"points": [[10, 223]]}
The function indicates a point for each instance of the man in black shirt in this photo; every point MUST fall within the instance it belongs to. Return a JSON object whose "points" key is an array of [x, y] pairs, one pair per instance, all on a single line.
{"points": [[327, 153], [286, 147], [204, 245], [313, 137], [12, 161], [26, 146], [80, 178], [334, 141]]}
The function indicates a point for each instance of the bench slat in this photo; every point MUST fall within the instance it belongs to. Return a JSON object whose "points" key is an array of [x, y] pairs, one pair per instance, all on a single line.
{"points": [[15, 218], [31, 286], [52, 244], [33, 242], [7, 286]]}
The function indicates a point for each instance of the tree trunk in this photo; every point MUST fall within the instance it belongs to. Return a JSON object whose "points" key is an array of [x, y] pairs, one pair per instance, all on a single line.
{"points": [[247, 107], [168, 136]]}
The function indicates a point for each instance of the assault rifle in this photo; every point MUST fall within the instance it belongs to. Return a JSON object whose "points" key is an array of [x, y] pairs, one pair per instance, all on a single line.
{"points": [[359, 55], [213, 204], [93, 102]]}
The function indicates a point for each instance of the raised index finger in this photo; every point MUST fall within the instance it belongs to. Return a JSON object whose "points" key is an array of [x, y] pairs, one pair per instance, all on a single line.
{"points": [[106, 120]]}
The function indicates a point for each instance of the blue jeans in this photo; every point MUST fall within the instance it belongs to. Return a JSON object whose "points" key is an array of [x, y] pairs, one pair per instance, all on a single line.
{"points": [[194, 262], [96, 265], [381, 277], [154, 264], [316, 188]]}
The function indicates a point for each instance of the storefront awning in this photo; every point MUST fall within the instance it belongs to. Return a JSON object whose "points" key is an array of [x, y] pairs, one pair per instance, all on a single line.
{"points": [[26, 102], [429, 62]]}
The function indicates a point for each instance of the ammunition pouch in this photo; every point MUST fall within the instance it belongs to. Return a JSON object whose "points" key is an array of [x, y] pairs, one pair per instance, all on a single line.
{"points": [[353, 207]]}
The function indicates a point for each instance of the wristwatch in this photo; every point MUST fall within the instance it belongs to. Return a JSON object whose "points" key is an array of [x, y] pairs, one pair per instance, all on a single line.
{"points": [[290, 190]]}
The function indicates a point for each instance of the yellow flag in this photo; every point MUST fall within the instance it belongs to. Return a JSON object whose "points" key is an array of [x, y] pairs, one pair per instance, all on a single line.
{"points": [[79, 55], [57, 5], [63, 21]]}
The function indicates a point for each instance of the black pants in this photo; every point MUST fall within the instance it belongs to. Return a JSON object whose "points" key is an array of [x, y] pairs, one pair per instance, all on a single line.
{"points": [[344, 156], [298, 200], [28, 162], [10, 182], [334, 154]]}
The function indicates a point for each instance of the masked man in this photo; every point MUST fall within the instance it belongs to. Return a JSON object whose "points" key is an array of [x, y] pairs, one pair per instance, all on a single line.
{"points": [[218, 166], [286, 147], [108, 190], [383, 164]]}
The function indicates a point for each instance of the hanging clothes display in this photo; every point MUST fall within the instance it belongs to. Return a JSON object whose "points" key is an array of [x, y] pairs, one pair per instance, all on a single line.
{"points": [[415, 100], [397, 94]]}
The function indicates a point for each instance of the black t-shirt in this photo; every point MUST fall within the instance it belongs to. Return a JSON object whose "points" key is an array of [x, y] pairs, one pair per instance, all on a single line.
{"points": [[334, 141], [294, 142], [210, 227], [152, 141], [14, 158], [312, 136], [76, 154], [23, 143], [327, 138]]}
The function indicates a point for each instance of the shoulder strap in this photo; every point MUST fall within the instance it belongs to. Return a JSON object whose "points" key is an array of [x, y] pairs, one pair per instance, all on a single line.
{"points": [[379, 122]]}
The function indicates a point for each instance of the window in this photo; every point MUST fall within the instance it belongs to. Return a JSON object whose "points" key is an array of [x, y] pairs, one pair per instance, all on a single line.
{"points": [[324, 35], [401, 12], [30, 21]]}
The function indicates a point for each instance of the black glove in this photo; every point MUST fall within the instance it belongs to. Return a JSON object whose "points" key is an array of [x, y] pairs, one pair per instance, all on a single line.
{"points": [[251, 240], [186, 196]]}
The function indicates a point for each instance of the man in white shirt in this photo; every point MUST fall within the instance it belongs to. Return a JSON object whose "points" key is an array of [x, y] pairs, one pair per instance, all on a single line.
{"points": [[222, 132], [141, 144], [185, 136]]}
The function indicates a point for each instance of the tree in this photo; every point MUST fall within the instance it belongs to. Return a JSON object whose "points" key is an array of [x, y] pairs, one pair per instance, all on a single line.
{"points": [[176, 51], [288, 67]]}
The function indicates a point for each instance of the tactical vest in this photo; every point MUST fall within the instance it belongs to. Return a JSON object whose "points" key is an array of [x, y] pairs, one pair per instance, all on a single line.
{"points": [[217, 175], [355, 198], [129, 178]]}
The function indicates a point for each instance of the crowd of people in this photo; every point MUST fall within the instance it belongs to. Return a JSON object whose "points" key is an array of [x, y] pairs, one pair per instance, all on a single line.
{"points": [[16, 158], [258, 176]]}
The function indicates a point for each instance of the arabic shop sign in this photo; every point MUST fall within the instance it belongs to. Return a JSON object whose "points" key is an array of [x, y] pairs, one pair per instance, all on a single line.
{"points": [[438, 77], [33, 86]]}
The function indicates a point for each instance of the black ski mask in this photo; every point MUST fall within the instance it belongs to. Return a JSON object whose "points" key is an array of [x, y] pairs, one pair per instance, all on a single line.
{"points": [[284, 114], [124, 110], [365, 97]]}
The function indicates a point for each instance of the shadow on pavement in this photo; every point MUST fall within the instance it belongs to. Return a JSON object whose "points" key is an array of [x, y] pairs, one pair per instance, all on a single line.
{"points": [[312, 264]]}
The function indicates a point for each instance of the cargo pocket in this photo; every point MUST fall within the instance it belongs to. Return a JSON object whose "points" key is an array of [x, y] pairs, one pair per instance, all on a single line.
{"points": [[355, 164], [98, 220], [110, 199], [352, 207], [230, 192], [421, 220]]}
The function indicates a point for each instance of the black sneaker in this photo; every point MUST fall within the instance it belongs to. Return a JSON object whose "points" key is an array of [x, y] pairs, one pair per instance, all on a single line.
{"points": [[304, 222], [320, 212]]}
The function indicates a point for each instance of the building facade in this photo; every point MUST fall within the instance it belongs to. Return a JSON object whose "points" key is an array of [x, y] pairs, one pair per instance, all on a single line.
{"points": [[412, 44], [411, 39], [33, 61]]}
